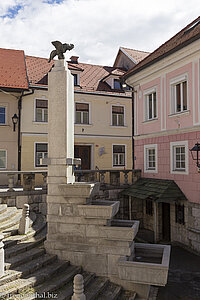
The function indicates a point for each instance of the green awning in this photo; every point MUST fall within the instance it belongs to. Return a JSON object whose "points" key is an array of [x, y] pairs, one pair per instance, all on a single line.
{"points": [[159, 190]]}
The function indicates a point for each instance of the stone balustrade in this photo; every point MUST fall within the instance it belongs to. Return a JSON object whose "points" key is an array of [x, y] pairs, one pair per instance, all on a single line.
{"points": [[28, 179], [105, 177], [109, 176], [1, 256]]}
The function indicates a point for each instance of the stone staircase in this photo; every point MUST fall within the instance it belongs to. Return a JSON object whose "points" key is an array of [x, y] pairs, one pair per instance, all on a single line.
{"points": [[31, 273]]}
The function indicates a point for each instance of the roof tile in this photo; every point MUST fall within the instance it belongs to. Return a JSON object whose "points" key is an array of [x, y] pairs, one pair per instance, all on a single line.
{"points": [[13, 69]]}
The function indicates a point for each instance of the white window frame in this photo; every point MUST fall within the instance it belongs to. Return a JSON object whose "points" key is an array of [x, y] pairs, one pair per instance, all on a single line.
{"points": [[125, 158], [146, 149], [42, 166], [4, 106], [5, 160], [89, 113], [121, 105], [173, 82], [78, 77], [173, 145], [146, 94], [35, 111]]}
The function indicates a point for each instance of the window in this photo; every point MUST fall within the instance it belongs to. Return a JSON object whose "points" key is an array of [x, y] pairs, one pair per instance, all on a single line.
{"points": [[149, 207], [179, 214], [3, 159], [117, 115], [82, 113], [75, 79], [179, 97], [2, 115], [118, 155], [41, 151], [117, 84], [150, 158], [151, 106], [41, 110], [179, 157]]}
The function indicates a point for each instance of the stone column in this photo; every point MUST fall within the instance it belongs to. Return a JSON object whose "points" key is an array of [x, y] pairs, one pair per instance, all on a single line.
{"points": [[78, 288], [24, 221], [61, 123], [1, 256]]}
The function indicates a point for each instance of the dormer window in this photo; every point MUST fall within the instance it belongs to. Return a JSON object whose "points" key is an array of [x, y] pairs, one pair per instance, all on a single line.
{"points": [[75, 79], [117, 84]]}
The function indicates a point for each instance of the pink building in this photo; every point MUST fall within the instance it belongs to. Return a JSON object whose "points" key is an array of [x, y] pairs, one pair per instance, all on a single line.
{"points": [[166, 88]]}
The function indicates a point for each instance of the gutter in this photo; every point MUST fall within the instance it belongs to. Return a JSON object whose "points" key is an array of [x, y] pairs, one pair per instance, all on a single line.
{"points": [[184, 44], [19, 130]]}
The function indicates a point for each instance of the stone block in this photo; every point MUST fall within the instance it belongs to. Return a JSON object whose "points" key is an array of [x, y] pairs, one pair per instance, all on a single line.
{"points": [[21, 200], [11, 201], [43, 208], [112, 264], [196, 212], [71, 229]]}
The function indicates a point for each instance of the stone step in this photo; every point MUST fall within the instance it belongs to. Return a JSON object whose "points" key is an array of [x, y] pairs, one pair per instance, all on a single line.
{"points": [[22, 285], [36, 228], [8, 214], [13, 230], [11, 221], [19, 259], [3, 208], [56, 283], [23, 270], [110, 292], [26, 245], [95, 288], [65, 293]]}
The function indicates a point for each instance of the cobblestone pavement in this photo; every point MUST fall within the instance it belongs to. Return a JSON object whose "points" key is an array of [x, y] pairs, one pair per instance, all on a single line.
{"points": [[184, 276]]}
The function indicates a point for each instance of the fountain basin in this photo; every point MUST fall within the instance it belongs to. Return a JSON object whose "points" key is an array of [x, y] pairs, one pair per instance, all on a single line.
{"points": [[149, 265], [99, 209], [123, 230]]}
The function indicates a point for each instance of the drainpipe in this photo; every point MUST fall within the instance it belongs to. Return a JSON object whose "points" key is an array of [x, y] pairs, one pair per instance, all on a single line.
{"points": [[133, 142], [19, 146]]}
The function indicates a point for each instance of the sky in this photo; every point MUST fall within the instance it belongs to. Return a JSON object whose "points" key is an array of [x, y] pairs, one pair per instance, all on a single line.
{"points": [[97, 28]]}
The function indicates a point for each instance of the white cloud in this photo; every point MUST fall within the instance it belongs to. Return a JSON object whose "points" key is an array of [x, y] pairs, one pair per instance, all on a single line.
{"points": [[96, 27]]}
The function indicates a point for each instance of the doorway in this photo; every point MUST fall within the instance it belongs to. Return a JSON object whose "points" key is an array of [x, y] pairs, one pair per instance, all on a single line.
{"points": [[166, 222], [83, 152]]}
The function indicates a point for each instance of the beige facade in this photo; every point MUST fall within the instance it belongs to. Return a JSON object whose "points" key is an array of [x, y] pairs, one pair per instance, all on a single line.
{"points": [[8, 137], [99, 135]]}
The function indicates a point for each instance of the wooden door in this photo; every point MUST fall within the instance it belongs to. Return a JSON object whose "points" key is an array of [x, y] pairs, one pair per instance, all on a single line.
{"points": [[166, 221], [83, 152]]}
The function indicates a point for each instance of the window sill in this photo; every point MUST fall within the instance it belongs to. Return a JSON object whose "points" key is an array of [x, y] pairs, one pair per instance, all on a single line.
{"points": [[83, 124], [40, 122], [183, 172], [182, 113], [152, 120], [118, 126], [150, 171], [4, 125]]}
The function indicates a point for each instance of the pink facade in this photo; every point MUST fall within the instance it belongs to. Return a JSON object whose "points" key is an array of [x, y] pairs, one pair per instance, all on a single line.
{"points": [[169, 127]]}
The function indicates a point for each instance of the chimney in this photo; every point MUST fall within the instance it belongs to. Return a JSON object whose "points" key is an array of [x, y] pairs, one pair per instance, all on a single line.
{"points": [[74, 59]]}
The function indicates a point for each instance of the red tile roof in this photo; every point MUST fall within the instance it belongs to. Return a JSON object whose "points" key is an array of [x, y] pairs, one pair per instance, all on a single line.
{"points": [[90, 75], [13, 69], [184, 37]]}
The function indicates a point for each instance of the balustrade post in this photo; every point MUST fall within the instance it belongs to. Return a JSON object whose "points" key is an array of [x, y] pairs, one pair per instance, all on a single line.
{"points": [[44, 180], [125, 176], [78, 288], [24, 221], [10, 182], [102, 177], [1, 256]]}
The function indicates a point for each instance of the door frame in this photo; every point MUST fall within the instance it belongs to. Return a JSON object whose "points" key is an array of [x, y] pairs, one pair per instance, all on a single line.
{"points": [[91, 153]]}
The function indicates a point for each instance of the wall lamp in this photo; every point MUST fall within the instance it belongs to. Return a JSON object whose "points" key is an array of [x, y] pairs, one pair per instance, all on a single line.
{"points": [[195, 153], [14, 120]]}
